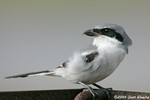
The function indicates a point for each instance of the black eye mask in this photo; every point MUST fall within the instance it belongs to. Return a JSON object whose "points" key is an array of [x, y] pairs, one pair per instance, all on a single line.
{"points": [[112, 33]]}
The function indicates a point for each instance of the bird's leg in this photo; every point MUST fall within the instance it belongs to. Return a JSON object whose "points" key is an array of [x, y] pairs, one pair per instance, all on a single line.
{"points": [[89, 89], [100, 87], [106, 90]]}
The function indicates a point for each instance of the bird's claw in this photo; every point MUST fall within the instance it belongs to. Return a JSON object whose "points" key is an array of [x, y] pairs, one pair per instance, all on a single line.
{"points": [[107, 91], [92, 92]]}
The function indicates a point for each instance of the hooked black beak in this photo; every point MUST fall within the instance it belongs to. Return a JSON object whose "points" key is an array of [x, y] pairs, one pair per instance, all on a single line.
{"points": [[91, 32]]}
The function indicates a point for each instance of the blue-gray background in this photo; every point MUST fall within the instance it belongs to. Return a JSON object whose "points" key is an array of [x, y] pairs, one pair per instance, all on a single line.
{"points": [[40, 34]]}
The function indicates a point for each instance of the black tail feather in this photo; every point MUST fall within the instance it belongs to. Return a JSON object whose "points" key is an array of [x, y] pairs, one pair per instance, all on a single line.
{"points": [[27, 74]]}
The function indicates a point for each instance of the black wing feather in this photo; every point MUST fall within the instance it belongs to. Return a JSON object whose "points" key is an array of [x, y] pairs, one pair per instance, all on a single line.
{"points": [[90, 57]]}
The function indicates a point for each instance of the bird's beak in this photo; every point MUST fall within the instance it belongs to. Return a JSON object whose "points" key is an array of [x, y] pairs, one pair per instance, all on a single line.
{"points": [[91, 33]]}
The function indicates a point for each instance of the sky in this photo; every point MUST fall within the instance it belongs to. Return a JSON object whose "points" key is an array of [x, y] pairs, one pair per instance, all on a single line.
{"points": [[39, 35]]}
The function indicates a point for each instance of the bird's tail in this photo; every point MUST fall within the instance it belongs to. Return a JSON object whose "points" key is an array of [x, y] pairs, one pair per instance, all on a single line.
{"points": [[39, 73]]}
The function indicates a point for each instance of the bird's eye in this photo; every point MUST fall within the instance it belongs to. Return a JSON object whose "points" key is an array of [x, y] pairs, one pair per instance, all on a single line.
{"points": [[106, 30]]}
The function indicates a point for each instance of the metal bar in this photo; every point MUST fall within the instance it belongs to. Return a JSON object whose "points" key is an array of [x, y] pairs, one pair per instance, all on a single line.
{"points": [[40, 95], [72, 94]]}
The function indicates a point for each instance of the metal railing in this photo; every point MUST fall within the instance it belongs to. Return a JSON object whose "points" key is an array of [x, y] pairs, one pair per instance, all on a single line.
{"points": [[72, 94]]}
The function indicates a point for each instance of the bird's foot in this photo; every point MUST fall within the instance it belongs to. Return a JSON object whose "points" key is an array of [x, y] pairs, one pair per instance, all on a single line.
{"points": [[105, 90], [93, 93], [110, 89]]}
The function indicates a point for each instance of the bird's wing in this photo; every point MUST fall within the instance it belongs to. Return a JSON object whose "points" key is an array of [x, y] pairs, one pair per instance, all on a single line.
{"points": [[87, 57], [40, 73], [89, 53], [90, 57]]}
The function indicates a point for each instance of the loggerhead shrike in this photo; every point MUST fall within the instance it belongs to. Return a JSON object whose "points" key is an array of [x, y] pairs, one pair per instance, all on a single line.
{"points": [[95, 63]]}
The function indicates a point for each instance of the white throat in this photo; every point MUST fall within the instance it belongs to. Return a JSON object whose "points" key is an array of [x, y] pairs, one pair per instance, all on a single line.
{"points": [[104, 41]]}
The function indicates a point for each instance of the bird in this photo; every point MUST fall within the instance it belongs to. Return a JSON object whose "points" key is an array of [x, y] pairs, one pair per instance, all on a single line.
{"points": [[96, 62]]}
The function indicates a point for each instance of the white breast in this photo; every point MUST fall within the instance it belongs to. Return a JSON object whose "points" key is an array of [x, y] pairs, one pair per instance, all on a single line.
{"points": [[111, 54]]}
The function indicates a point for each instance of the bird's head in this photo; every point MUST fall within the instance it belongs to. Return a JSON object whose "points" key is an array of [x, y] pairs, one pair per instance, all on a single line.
{"points": [[113, 31]]}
